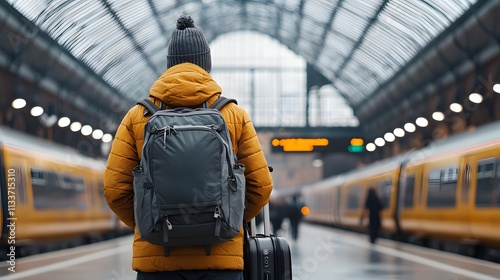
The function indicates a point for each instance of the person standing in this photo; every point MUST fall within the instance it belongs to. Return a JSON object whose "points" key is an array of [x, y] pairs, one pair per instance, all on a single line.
{"points": [[277, 214], [372, 207], [185, 83], [294, 214]]}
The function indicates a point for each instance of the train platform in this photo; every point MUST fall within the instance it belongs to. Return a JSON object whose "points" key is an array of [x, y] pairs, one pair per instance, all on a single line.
{"points": [[319, 253]]}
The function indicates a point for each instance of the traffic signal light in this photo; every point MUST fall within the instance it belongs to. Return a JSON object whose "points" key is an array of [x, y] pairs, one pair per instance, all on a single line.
{"points": [[356, 145]]}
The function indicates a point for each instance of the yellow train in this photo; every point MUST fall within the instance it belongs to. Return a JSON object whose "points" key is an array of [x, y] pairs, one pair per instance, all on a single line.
{"points": [[50, 196], [446, 193]]}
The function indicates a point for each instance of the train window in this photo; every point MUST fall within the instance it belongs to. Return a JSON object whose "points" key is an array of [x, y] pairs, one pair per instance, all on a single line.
{"points": [[486, 168], [37, 177], [384, 190], [408, 191], [354, 198], [74, 183], [449, 175], [55, 191], [442, 187], [487, 185]]}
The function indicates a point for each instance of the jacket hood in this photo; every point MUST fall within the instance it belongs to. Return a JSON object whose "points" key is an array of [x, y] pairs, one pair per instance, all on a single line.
{"points": [[185, 85]]}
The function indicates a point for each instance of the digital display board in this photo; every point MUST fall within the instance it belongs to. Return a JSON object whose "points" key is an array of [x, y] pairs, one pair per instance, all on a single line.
{"points": [[318, 144]]}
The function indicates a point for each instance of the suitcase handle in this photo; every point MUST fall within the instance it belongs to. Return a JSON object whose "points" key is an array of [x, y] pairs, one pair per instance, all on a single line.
{"points": [[266, 221], [266, 218]]}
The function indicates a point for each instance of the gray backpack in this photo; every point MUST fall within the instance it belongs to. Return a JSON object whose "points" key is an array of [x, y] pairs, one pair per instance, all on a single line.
{"points": [[189, 188]]}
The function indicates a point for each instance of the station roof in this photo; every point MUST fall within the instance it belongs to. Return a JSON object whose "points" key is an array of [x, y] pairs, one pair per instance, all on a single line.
{"points": [[357, 44]]}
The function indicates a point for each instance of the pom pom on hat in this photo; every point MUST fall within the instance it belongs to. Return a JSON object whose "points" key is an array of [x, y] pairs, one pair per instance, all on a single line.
{"points": [[188, 44], [183, 22]]}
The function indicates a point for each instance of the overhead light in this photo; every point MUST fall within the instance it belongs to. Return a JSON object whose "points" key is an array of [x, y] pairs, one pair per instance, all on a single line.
{"points": [[409, 127], [389, 137], [379, 142], [370, 147], [76, 126], [438, 116], [18, 103], [106, 138], [97, 134], [455, 107], [86, 130], [36, 111], [399, 132], [422, 122], [476, 98], [63, 122], [496, 88]]}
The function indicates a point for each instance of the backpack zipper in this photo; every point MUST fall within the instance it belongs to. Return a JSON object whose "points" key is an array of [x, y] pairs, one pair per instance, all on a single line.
{"points": [[167, 226], [217, 212], [167, 222], [167, 131]]}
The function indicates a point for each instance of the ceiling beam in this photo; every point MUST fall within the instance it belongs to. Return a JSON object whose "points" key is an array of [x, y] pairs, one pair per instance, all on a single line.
{"points": [[298, 28], [154, 10], [361, 39], [131, 36], [328, 26]]}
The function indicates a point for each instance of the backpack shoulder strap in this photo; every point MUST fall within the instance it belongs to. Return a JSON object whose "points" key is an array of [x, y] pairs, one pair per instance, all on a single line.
{"points": [[221, 102], [150, 106]]}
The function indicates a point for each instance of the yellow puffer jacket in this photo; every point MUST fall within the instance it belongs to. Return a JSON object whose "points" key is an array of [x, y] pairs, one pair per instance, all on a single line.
{"points": [[188, 85]]}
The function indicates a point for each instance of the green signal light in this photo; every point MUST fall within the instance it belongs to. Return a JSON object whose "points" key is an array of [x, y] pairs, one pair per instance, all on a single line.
{"points": [[356, 145], [355, 149]]}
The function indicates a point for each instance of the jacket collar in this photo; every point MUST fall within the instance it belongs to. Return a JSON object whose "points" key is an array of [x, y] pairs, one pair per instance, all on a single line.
{"points": [[185, 85]]}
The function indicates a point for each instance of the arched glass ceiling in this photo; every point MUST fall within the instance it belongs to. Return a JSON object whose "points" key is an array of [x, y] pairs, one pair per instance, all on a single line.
{"points": [[357, 44]]}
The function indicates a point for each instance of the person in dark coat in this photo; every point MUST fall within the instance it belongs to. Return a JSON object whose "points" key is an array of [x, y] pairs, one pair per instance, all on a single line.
{"points": [[277, 214], [294, 214], [373, 206]]}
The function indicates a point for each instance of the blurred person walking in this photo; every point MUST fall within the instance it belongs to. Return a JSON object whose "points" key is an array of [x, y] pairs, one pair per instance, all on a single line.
{"points": [[294, 214], [277, 214], [373, 206]]}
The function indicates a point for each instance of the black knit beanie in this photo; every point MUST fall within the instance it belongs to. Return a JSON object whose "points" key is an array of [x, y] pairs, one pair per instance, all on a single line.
{"points": [[188, 44]]}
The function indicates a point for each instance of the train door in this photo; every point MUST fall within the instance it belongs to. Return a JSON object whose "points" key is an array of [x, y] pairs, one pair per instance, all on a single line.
{"points": [[14, 195], [409, 190], [385, 189], [93, 196], [464, 205], [337, 202], [419, 198], [351, 211], [97, 200], [3, 198], [484, 196]]}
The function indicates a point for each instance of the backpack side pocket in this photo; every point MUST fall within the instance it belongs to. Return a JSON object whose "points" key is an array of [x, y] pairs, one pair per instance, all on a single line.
{"points": [[237, 199], [143, 197]]}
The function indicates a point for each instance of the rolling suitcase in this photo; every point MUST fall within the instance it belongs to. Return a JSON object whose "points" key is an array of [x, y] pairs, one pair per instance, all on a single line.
{"points": [[267, 257]]}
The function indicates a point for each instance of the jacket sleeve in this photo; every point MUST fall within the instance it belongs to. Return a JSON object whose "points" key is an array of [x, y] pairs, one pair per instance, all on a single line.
{"points": [[258, 177], [118, 179]]}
